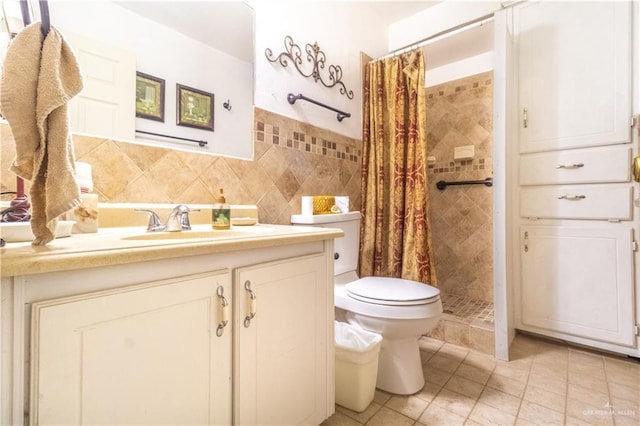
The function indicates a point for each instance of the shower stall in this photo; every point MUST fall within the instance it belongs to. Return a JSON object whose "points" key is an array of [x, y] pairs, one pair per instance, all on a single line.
{"points": [[459, 93]]}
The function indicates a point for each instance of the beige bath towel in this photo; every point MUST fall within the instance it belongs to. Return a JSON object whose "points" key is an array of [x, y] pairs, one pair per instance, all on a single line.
{"points": [[39, 79]]}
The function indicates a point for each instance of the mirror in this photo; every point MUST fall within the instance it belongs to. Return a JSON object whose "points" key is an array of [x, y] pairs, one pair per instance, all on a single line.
{"points": [[198, 54]]}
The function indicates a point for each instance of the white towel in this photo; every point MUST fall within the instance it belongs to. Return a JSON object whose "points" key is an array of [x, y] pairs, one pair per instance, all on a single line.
{"points": [[39, 79]]}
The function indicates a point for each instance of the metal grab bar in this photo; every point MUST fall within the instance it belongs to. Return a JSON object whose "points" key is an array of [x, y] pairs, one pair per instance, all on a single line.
{"points": [[442, 185], [293, 98]]}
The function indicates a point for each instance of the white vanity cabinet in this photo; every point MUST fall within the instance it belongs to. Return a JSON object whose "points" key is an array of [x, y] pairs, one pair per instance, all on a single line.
{"points": [[145, 342], [146, 354], [572, 196], [281, 342]]}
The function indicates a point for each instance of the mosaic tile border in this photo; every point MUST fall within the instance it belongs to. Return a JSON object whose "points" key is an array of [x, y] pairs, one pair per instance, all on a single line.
{"points": [[305, 143], [461, 166]]}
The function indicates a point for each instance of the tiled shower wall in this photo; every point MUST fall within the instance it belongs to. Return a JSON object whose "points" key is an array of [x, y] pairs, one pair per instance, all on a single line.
{"points": [[291, 159], [459, 113]]}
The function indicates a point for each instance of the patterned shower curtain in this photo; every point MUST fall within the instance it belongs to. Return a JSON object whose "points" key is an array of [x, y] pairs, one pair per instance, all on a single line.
{"points": [[395, 235]]}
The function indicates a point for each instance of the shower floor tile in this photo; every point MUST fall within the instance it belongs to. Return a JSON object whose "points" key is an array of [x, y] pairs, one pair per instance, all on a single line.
{"points": [[467, 308]]}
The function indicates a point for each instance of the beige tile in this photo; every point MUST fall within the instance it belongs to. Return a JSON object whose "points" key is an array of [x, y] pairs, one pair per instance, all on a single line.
{"points": [[511, 371], [453, 351], [436, 415], [444, 363], [593, 414], [339, 419], [429, 344], [545, 398], [549, 384], [409, 406], [387, 417], [539, 415], [629, 393], [435, 375], [556, 371], [482, 340], [454, 402], [487, 415], [464, 386], [425, 356], [428, 391], [471, 372], [596, 398], [381, 397], [456, 333], [498, 399], [507, 385], [360, 417], [622, 372], [572, 421], [595, 380], [480, 360]]}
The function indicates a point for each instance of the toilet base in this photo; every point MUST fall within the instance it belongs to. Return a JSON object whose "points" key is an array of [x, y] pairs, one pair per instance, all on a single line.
{"points": [[399, 367]]}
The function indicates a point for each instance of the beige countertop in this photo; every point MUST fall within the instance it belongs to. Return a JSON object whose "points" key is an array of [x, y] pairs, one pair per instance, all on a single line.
{"points": [[114, 246]]}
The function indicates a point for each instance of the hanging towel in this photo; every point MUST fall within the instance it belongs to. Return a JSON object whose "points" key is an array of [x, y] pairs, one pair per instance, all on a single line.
{"points": [[39, 79]]}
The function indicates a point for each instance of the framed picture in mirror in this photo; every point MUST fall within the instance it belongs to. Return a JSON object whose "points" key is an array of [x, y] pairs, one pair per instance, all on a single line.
{"points": [[194, 107], [149, 97]]}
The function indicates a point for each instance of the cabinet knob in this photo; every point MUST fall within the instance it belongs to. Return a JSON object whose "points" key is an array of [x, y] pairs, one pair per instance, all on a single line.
{"points": [[336, 255]]}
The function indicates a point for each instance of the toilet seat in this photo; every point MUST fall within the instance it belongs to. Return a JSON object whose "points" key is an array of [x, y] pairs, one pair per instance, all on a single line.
{"points": [[392, 291], [409, 307]]}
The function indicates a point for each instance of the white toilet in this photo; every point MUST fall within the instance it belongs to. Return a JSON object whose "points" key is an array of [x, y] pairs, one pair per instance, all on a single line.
{"points": [[400, 310]]}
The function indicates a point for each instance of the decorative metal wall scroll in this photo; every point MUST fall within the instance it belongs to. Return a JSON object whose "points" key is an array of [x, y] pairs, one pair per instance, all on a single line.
{"points": [[316, 58]]}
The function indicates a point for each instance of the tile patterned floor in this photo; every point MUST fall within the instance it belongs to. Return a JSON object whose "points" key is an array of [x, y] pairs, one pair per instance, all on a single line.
{"points": [[547, 383], [468, 308]]}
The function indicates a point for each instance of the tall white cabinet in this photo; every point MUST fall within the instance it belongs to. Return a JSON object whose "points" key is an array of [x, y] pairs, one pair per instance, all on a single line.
{"points": [[573, 197]]}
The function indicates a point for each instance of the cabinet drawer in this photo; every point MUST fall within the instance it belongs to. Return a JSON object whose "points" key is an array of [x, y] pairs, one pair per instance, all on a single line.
{"points": [[595, 165], [577, 202]]}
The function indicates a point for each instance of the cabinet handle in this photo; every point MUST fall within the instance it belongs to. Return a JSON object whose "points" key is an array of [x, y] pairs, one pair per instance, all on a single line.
{"points": [[525, 118], [570, 166], [251, 305], [571, 197], [224, 311]]}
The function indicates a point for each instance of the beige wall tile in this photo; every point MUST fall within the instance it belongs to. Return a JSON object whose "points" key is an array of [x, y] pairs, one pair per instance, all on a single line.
{"points": [[275, 180]]}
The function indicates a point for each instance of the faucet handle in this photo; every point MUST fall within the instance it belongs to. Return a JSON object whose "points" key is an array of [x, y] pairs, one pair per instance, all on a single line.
{"points": [[154, 220], [179, 218]]}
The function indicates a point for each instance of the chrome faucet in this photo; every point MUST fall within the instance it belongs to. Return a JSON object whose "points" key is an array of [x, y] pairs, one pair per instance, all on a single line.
{"points": [[178, 219]]}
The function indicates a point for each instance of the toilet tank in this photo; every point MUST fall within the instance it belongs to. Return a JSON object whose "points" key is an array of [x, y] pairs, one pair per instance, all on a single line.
{"points": [[346, 248]]}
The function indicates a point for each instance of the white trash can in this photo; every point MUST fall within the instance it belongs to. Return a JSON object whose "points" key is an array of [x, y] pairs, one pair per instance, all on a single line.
{"points": [[356, 366]]}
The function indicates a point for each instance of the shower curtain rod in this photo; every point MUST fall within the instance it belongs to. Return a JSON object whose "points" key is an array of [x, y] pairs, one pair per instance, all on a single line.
{"points": [[478, 22]]}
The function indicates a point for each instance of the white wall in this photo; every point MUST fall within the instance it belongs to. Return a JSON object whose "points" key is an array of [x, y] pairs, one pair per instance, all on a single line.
{"points": [[169, 55], [342, 30]]}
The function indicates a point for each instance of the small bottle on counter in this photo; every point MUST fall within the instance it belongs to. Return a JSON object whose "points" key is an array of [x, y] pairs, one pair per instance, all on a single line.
{"points": [[221, 213]]}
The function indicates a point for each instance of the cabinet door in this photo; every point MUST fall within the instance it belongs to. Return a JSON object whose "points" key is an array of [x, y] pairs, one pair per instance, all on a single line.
{"points": [[147, 354], [578, 282], [282, 353], [574, 70]]}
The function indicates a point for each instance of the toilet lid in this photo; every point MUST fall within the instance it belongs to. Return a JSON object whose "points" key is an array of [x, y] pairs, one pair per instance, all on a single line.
{"points": [[392, 291]]}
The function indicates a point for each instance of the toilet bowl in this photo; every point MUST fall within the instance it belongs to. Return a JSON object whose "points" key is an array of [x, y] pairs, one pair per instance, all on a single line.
{"points": [[399, 310]]}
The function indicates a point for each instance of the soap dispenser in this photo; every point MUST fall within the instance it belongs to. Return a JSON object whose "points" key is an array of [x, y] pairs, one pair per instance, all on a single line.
{"points": [[221, 213]]}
